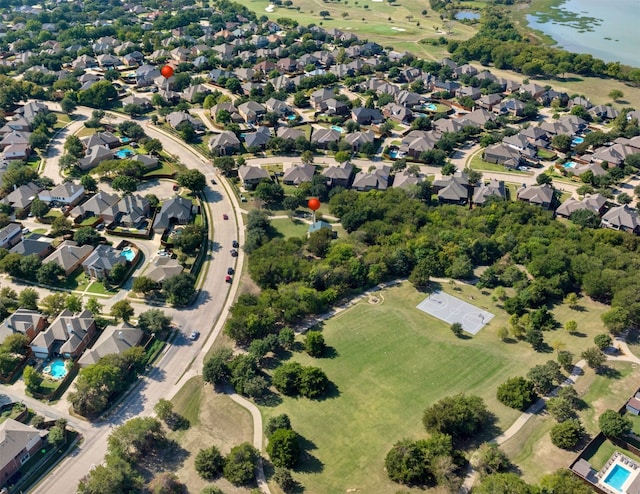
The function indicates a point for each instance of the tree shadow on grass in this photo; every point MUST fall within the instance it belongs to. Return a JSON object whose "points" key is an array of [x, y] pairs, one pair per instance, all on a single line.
{"points": [[578, 334], [308, 462], [330, 393], [269, 399], [177, 422], [608, 372], [330, 352], [166, 456]]}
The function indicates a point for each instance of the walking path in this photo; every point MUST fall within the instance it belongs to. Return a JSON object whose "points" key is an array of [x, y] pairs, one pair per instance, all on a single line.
{"points": [[625, 355]]}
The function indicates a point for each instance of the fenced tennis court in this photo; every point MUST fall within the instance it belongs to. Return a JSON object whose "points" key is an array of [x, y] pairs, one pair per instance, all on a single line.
{"points": [[451, 309]]}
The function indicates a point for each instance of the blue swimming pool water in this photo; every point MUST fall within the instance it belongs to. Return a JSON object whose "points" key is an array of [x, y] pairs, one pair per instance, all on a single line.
{"points": [[339, 129], [128, 254], [577, 140], [124, 139], [56, 368], [291, 117], [124, 153], [569, 164], [430, 107], [617, 477]]}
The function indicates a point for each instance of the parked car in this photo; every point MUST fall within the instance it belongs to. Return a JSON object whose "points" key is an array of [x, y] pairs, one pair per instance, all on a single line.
{"points": [[234, 253], [225, 216], [194, 335], [175, 187], [213, 181], [230, 270], [227, 279], [235, 244]]}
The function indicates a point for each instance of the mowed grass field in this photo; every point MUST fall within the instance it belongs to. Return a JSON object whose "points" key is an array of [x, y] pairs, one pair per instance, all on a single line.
{"points": [[385, 23], [214, 420], [390, 361]]}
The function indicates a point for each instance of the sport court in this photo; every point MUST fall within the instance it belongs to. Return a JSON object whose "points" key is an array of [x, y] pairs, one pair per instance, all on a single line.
{"points": [[451, 309]]}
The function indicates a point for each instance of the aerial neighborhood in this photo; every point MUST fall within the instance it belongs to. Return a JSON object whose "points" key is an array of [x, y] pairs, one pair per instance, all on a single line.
{"points": [[204, 212]]}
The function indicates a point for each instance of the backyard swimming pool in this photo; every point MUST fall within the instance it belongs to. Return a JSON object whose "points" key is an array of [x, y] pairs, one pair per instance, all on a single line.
{"points": [[128, 254], [339, 129], [56, 368], [124, 153], [569, 164], [577, 140], [617, 477], [430, 107]]}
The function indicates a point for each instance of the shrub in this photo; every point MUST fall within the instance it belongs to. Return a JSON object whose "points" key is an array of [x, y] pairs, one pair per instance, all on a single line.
{"points": [[516, 392], [567, 434]]}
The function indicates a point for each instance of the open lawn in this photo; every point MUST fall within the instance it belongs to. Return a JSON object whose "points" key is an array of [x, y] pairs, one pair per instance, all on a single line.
{"points": [[399, 24], [214, 420], [390, 362], [531, 448], [290, 228]]}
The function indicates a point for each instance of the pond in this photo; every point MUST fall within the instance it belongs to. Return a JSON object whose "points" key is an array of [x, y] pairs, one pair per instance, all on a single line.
{"points": [[465, 15]]}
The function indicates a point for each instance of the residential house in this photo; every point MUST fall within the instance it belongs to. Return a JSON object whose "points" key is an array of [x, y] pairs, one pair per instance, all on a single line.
{"points": [[332, 106], [113, 340], [16, 152], [510, 106], [367, 116], [163, 268], [279, 107], [319, 96], [95, 155], [175, 211], [633, 404], [146, 75], [503, 155], [224, 143], [614, 155], [10, 235], [287, 65], [540, 195], [604, 112], [178, 117], [130, 211], [357, 139], [406, 178], [65, 194], [101, 261], [338, 175], [534, 90], [622, 218], [67, 336], [147, 161], [536, 136], [257, 139], [290, 133], [595, 203], [468, 91], [96, 206], [15, 137], [493, 188], [69, 255], [34, 244], [23, 321], [298, 174], [397, 113], [20, 198], [418, 141], [138, 101], [250, 176], [18, 443], [453, 189], [377, 178], [251, 111], [190, 93], [323, 137]]}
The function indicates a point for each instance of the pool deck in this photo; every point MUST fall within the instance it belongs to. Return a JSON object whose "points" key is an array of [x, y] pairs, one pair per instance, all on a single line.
{"points": [[633, 481]]}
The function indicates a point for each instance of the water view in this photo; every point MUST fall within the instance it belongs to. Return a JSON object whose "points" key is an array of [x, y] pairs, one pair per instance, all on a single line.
{"points": [[605, 29]]}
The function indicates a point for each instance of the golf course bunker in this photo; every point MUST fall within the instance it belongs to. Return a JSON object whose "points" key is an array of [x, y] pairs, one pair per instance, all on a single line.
{"points": [[451, 309]]}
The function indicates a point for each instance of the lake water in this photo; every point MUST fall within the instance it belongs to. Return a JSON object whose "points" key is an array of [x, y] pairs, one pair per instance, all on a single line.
{"points": [[607, 29], [467, 14]]}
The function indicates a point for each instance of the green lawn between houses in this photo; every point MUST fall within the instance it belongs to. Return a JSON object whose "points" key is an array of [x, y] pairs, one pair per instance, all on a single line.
{"points": [[391, 362]]}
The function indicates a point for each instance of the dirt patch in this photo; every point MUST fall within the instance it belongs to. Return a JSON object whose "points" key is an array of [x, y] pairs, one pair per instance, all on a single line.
{"points": [[222, 423]]}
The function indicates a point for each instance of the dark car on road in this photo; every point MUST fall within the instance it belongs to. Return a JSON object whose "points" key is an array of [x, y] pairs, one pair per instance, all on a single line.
{"points": [[230, 271], [234, 253], [194, 335], [228, 279], [235, 244]]}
